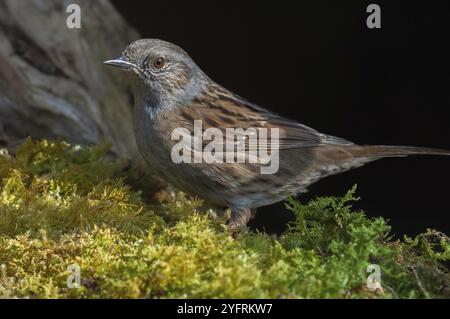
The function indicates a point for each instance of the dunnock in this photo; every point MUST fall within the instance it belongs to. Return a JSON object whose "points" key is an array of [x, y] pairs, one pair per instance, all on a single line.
{"points": [[173, 93]]}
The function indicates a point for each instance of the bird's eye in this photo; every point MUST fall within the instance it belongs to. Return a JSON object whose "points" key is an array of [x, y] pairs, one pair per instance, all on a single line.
{"points": [[158, 63]]}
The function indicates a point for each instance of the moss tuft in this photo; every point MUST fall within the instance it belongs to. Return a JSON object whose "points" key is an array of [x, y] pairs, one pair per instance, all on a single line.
{"points": [[64, 205]]}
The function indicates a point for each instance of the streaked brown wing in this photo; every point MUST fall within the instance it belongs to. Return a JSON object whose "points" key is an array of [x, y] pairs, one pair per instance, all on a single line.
{"points": [[220, 108]]}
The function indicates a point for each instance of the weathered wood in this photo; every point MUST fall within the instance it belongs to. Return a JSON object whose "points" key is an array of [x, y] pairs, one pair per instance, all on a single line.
{"points": [[53, 83]]}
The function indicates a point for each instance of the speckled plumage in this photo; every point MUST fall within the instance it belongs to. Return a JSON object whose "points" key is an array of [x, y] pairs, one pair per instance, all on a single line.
{"points": [[179, 93]]}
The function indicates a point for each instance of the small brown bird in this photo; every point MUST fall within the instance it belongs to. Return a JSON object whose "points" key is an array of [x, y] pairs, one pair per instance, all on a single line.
{"points": [[173, 93]]}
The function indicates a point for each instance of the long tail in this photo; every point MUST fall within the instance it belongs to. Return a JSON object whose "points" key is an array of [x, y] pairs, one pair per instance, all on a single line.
{"points": [[337, 159], [380, 151]]}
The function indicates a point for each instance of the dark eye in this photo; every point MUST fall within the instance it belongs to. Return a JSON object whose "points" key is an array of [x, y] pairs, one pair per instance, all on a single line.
{"points": [[158, 63]]}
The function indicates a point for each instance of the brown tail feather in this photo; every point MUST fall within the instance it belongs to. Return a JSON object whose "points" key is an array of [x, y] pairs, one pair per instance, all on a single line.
{"points": [[379, 151], [334, 160]]}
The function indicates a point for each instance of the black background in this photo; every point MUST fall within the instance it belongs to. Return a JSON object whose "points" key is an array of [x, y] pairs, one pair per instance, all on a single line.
{"points": [[318, 63]]}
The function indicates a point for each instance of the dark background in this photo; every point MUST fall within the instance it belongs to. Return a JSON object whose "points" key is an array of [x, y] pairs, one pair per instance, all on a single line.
{"points": [[318, 63]]}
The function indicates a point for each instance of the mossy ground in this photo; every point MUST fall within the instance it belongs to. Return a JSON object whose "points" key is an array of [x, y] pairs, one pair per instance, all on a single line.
{"points": [[62, 205]]}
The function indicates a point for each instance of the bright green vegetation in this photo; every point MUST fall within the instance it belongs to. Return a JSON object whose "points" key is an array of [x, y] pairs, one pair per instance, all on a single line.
{"points": [[62, 204]]}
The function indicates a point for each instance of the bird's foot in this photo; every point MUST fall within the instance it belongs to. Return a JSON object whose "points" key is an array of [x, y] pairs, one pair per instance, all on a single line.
{"points": [[239, 218]]}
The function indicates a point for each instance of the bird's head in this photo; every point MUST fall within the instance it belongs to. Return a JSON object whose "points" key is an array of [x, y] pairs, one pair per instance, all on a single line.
{"points": [[164, 68]]}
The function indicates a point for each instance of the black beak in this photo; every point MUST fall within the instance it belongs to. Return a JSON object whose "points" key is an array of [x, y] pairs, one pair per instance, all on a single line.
{"points": [[122, 63]]}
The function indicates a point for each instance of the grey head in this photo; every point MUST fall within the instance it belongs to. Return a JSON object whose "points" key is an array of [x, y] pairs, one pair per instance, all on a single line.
{"points": [[166, 72]]}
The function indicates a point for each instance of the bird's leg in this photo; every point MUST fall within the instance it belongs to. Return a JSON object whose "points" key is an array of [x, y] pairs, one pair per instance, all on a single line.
{"points": [[226, 213], [239, 217]]}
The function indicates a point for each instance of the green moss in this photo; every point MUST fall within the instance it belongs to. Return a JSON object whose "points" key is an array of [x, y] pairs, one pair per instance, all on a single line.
{"points": [[62, 205]]}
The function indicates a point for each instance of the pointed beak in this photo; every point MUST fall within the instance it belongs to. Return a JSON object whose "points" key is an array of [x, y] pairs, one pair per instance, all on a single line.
{"points": [[122, 63]]}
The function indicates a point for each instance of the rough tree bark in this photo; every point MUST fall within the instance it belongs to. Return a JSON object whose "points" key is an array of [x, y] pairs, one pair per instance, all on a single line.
{"points": [[53, 83]]}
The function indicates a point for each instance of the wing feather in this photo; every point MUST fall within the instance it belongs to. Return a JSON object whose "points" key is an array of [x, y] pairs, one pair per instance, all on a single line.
{"points": [[222, 109]]}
